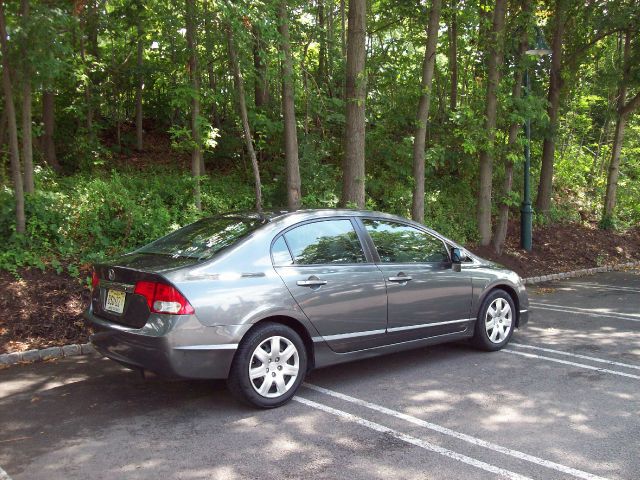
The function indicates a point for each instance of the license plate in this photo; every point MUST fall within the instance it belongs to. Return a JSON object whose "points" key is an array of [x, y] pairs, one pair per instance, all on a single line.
{"points": [[115, 301]]}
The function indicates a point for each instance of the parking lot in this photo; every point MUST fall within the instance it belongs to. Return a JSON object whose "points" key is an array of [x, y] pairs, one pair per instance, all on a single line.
{"points": [[561, 401]]}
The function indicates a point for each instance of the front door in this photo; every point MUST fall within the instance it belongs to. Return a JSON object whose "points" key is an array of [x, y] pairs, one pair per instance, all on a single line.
{"points": [[342, 293], [426, 297]]}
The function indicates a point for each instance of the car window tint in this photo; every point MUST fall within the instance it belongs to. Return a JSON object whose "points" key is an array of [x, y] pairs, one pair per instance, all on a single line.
{"points": [[398, 243], [331, 241], [203, 239], [280, 253]]}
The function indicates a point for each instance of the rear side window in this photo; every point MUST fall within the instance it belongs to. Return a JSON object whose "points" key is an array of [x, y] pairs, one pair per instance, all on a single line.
{"points": [[280, 253], [203, 239], [398, 243], [330, 241]]}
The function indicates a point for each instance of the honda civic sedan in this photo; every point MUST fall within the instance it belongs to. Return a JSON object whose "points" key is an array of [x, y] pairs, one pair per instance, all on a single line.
{"points": [[261, 299]]}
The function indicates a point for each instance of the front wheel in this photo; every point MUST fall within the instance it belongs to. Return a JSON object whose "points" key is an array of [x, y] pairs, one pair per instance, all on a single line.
{"points": [[269, 366], [496, 321]]}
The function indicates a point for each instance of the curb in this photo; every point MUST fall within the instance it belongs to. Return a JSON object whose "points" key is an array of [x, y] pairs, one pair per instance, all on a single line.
{"points": [[579, 273], [31, 356]]}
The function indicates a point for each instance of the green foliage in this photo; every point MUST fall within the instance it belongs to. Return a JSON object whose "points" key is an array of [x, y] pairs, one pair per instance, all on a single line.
{"points": [[85, 218]]}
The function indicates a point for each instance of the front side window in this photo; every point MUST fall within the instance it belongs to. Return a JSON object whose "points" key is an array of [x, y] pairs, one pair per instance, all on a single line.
{"points": [[330, 241], [398, 243]]}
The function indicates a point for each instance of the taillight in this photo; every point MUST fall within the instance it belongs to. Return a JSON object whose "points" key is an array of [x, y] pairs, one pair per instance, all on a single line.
{"points": [[163, 298], [95, 280]]}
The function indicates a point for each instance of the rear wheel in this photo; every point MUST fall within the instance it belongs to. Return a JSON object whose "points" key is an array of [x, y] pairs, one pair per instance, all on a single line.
{"points": [[269, 366], [496, 321]]}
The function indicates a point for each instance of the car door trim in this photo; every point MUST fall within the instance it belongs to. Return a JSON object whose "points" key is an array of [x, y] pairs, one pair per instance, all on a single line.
{"points": [[427, 325], [343, 336], [217, 346], [365, 333]]}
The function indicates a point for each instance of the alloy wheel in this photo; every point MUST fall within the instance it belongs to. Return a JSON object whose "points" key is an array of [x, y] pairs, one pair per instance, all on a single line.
{"points": [[274, 367], [498, 320]]}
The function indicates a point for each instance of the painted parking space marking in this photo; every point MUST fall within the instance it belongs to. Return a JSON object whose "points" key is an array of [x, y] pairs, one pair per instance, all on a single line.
{"points": [[4, 475], [412, 440], [575, 355], [604, 287], [573, 364], [452, 433], [582, 311]]}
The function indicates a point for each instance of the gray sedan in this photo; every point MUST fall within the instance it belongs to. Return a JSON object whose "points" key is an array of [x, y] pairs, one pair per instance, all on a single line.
{"points": [[260, 299]]}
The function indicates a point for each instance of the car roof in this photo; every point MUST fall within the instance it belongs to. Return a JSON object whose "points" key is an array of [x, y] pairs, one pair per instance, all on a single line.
{"points": [[271, 215]]}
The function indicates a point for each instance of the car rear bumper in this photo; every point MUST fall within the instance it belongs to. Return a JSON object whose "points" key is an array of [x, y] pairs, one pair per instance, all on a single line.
{"points": [[179, 347]]}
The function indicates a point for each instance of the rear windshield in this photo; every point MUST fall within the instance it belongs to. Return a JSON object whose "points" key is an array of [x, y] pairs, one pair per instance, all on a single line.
{"points": [[203, 239]]}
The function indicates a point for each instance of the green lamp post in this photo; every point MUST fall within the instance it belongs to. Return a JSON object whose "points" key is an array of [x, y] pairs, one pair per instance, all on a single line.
{"points": [[526, 212]]}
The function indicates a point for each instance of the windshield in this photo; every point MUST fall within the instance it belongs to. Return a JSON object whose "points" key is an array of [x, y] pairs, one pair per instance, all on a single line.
{"points": [[203, 239]]}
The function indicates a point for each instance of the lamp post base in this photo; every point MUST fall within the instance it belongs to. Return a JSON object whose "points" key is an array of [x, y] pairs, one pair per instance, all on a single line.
{"points": [[526, 226]]}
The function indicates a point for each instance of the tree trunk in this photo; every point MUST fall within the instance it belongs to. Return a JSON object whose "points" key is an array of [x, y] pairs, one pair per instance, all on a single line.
{"points": [[355, 96], [453, 56], [242, 106], [196, 153], [139, 86], [545, 187], [88, 97], [14, 151], [500, 234], [261, 84], [49, 123], [215, 116], [343, 30], [494, 60], [422, 117], [289, 113], [27, 129], [322, 40], [623, 111], [614, 171]]}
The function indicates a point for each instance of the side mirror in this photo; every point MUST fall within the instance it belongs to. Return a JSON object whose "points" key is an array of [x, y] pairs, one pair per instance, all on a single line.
{"points": [[456, 259]]}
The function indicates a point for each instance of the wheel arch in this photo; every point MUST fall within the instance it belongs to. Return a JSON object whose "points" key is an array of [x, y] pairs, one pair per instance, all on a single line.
{"points": [[297, 326], [510, 290]]}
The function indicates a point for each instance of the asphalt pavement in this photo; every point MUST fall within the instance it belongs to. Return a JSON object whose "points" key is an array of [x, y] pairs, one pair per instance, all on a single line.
{"points": [[561, 401]]}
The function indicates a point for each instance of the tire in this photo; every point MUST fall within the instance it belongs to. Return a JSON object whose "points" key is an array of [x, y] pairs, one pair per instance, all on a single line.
{"points": [[496, 321], [261, 353]]}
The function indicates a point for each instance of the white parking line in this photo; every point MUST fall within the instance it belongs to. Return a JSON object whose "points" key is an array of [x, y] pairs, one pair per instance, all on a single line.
{"points": [[605, 287], [4, 475], [412, 440], [576, 355], [583, 311], [460, 436], [573, 364]]}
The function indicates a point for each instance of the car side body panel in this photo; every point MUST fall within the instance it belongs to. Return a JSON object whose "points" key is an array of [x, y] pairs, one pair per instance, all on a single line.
{"points": [[240, 287]]}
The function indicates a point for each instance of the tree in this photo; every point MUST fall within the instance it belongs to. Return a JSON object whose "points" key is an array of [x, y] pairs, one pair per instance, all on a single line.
{"points": [[453, 55], [196, 153], [261, 80], [139, 75], [353, 166], [545, 187], [244, 116], [494, 60], [500, 233], [422, 117], [7, 88], [624, 110], [27, 129], [289, 112]]}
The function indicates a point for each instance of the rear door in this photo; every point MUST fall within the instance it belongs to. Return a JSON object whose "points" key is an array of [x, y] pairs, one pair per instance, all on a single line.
{"points": [[426, 297], [335, 283]]}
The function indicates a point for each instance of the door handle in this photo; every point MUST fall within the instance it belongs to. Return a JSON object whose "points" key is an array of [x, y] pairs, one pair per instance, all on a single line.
{"points": [[400, 278], [311, 282]]}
